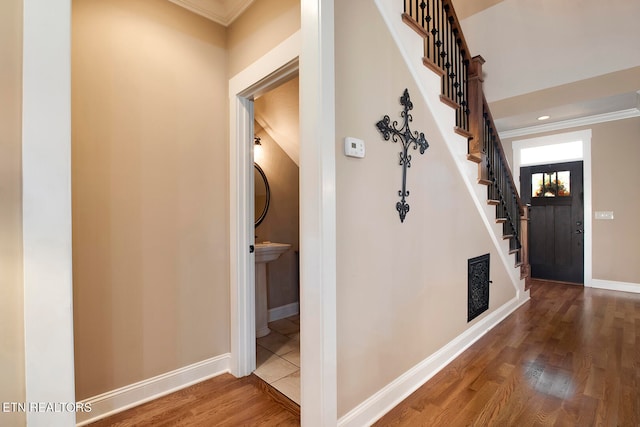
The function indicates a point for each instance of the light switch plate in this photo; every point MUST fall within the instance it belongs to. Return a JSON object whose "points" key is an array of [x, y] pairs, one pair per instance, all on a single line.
{"points": [[604, 214], [353, 147]]}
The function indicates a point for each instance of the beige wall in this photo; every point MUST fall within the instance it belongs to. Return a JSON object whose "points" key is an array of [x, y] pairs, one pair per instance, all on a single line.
{"points": [[11, 299], [615, 148], [282, 221], [401, 287], [264, 25], [150, 191]]}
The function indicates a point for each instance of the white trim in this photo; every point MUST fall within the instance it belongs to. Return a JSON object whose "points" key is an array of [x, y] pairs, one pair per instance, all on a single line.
{"points": [[257, 72], [284, 311], [613, 286], [318, 216], [561, 138], [277, 65], [46, 208], [241, 235], [567, 124], [221, 12], [587, 188], [314, 45], [126, 397], [395, 392]]}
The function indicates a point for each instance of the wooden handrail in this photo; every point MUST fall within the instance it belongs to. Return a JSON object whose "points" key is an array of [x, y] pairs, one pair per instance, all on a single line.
{"points": [[447, 53]]}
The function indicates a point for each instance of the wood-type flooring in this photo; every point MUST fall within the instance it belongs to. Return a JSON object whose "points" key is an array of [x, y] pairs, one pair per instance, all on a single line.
{"points": [[568, 357], [223, 401]]}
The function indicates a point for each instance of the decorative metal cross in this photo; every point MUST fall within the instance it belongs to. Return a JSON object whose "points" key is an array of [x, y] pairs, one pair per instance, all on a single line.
{"points": [[407, 137]]}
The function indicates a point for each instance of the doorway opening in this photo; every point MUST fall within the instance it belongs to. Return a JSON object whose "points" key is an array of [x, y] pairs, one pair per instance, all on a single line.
{"points": [[555, 179], [276, 199], [272, 70]]}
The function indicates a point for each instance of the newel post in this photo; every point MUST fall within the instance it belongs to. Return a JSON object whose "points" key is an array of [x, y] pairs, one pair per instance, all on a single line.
{"points": [[476, 117], [525, 268]]}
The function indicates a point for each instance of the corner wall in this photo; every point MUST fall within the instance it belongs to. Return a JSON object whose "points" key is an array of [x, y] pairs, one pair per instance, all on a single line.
{"points": [[12, 386], [615, 150], [401, 287], [260, 28], [150, 191]]}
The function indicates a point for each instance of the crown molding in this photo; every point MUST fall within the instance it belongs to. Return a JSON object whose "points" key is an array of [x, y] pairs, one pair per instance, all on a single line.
{"points": [[224, 12], [566, 124]]}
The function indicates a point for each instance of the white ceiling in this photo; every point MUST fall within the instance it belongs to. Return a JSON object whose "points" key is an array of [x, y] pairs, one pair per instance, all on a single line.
{"points": [[221, 11], [565, 116], [533, 45]]}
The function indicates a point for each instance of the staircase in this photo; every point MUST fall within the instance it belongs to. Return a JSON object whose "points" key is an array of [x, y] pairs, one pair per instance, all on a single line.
{"points": [[446, 54]]}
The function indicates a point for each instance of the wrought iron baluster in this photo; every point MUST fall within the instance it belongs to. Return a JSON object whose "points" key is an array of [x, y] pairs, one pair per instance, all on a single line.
{"points": [[437, 29]]}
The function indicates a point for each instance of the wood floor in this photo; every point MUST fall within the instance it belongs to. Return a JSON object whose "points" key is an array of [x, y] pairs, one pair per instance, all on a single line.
{"points": [[223, 401], [568, 357]]}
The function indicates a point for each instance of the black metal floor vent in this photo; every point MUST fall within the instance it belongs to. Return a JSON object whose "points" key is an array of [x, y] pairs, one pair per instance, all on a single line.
{"points": [[478, 293]]}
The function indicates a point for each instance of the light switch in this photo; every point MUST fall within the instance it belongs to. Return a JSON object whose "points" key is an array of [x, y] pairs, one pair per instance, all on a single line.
{"points": [[353, 147], [604, 214]]}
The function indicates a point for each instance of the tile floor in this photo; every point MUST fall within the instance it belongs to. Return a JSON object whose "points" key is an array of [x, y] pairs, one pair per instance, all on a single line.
{"points": [[278, 357]]}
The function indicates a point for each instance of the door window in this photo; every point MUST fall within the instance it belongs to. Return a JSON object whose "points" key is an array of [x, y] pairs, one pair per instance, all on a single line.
{"points": [[551, 184]]}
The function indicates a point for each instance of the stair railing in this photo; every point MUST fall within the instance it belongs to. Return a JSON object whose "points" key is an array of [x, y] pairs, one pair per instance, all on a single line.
{"points": [[447, 53]]}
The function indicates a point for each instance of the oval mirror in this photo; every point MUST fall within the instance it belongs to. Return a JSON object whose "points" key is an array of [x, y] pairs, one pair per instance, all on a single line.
{"points": [[262, 193]]}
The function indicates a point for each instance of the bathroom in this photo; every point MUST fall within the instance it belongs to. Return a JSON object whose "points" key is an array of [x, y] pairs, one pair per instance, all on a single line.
{"points": [[276, 156]]}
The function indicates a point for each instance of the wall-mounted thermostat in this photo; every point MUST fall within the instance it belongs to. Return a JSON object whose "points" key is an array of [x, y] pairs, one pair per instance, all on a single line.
{"points": [[353, 147]]}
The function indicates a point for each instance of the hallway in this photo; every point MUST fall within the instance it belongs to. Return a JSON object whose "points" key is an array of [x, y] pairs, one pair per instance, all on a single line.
{"points": [[568, 357]]}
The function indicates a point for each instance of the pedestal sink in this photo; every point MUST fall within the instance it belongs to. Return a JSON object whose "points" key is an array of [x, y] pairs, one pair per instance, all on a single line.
{"points": [[265, 252]]}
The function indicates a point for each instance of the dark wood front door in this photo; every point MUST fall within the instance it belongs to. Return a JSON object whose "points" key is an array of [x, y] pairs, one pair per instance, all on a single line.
{"points": [[556, 229]]}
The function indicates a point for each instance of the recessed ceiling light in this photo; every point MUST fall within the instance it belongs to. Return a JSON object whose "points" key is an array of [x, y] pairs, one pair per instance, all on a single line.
{"points": [[543, 118]]}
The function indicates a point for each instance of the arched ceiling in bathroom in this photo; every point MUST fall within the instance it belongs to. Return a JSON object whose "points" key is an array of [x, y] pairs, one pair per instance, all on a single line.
{"points": [[276, 112]]}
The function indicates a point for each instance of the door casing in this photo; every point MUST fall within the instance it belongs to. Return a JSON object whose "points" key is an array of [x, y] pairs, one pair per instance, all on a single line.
{"points": [[313, 44], [585, 137], [267, 73]]}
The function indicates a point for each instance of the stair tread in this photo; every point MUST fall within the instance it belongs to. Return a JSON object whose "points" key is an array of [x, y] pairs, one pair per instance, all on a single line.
{"points": [[463, 132], [474, 158], [433, 67], [407, 19], [450, 102]]}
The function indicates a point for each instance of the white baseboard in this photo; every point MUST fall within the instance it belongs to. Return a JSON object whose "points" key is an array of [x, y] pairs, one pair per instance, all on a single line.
{"points": [[395, 392], [115, 401], [284, 311], [614, 286]]}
